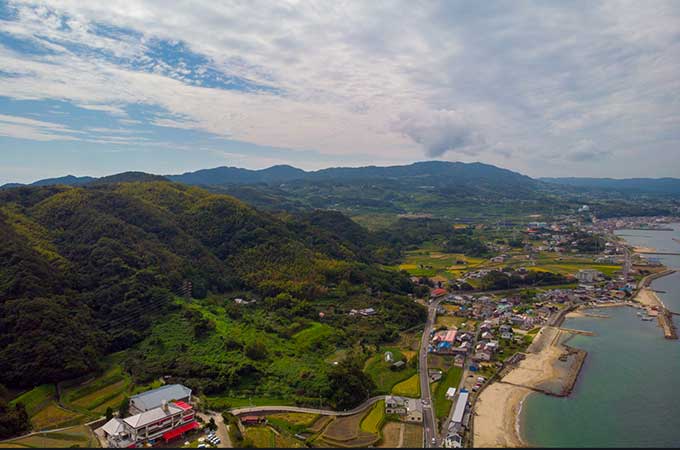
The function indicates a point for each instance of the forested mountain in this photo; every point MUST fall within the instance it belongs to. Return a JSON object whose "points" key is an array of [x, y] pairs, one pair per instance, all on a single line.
{"points": [[640, 185], [89, 270], [449, 190]]}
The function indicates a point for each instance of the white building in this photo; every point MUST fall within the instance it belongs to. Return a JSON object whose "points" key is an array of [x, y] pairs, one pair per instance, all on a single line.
{"points": [[410, 409]]}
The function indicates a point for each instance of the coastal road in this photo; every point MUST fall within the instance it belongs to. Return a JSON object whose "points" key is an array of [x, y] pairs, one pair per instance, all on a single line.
{"points": [[430, 430]]}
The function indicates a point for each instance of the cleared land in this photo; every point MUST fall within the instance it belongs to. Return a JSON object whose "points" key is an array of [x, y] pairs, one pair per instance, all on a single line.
{"points": [[391, 434], [413, 436]]}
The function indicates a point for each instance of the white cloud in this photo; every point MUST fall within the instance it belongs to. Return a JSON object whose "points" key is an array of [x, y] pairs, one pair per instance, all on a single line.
{"points": [[485, 80]]}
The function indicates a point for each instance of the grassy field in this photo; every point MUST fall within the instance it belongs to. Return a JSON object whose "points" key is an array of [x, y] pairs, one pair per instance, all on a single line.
{"points": [[261, 436], [37, 398], [79, 436], [311, 337], [292, 418], [373, 421], [382, 375], [442, 406], [408, 388]]}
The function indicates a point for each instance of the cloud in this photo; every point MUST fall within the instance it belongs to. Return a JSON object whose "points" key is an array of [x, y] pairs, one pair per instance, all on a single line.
{"points": [[398, 80], [440, 132], [37, 130]]}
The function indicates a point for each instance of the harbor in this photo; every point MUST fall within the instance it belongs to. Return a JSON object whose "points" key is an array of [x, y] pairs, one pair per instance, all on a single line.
{"points": [[628, 355]]}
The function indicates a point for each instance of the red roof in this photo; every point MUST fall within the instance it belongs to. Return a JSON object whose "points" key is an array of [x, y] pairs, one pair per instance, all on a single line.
{"points": [[182, 405], [172, 434], [438, 292]]}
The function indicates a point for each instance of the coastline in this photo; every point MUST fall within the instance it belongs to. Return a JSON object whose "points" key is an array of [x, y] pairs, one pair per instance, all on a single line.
{"points": [[499, 406]]}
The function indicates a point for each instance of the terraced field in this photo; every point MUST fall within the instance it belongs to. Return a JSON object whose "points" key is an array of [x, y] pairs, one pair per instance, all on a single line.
{"points": [[76, 436], [373, 421]]}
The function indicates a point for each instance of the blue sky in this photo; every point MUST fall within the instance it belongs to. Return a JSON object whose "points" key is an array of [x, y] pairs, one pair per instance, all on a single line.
{"points": [[545, 88]]}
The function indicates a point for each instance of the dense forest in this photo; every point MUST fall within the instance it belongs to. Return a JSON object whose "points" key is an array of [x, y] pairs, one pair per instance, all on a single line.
{"points": [[90, 270]]}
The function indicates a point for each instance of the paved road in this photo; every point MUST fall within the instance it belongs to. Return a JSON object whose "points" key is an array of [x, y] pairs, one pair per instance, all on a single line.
{"points": [[429, 418], [221, 431], [325, 412]]}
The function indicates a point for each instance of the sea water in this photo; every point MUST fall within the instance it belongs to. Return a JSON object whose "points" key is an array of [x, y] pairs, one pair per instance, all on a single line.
{"points": [[628, 392]]}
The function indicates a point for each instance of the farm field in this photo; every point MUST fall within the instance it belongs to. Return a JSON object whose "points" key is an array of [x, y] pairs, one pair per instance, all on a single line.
{"points": [[442, 406], [374, 419], [429, 262], [347, 432], [408, 388], [381, 373], [37, 398], [413, 436], [261, 436], [76, 436], [391, 433], [53, 416]]}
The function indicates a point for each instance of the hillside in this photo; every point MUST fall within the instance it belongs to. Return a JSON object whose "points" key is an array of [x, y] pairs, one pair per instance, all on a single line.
{"points": [[639, 185], [85, 271]]}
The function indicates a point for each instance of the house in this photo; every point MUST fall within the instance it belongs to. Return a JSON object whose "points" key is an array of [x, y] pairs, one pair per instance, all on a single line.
{"points": [[439, 292], [389, 357], [507, 335], [252, 420], [410, 409], [450, 393], [459, 361], [156, 397], [368, 312], [168, 421], [588, 275], [398, 365], [483, 355]]}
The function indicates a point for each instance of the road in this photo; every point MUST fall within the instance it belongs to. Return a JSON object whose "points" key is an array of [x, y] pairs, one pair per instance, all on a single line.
{"points": [[430, 430], [325, 412], [221, 432]]}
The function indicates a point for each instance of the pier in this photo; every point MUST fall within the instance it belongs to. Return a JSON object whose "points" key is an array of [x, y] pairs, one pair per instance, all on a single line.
{"points": [[582, 332]]}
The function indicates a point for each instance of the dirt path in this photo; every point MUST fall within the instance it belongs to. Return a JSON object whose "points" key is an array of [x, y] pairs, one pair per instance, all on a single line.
{"points": [[402, 427]]}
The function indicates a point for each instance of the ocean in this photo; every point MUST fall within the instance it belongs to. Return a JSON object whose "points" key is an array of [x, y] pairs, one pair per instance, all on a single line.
{"points": [[628, 392]]}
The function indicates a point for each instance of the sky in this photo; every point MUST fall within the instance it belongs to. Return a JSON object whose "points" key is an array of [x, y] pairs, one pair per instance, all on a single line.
{"points": [[546, 88]]}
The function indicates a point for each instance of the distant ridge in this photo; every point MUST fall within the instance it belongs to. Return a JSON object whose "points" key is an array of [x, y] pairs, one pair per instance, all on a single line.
{"points": [[643, 185], [430, 172]]}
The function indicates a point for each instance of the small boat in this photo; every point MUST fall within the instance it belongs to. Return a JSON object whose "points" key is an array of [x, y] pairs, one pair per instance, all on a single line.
{"points": [[648, 319], [640, 314]]}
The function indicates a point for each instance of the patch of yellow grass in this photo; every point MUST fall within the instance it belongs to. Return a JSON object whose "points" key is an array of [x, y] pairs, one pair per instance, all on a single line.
{"points": [[408, 388]]}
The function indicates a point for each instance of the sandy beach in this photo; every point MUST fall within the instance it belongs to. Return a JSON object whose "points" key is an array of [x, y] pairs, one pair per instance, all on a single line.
{"points": [[497, 409], [644, 249], [498, 406], [648, 297]]}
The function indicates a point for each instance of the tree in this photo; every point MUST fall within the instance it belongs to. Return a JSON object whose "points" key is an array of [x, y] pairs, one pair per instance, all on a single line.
{"points": [[256, 350], [13, 420], [124, 408], [211, 425], [109, 413], [349, 384]]}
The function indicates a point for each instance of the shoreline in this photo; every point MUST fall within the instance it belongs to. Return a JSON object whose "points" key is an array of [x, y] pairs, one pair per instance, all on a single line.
{"points": [[550, 368]]}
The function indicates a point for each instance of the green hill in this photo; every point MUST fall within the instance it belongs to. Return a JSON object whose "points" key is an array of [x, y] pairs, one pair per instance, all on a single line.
{"points": [[89, 270]]}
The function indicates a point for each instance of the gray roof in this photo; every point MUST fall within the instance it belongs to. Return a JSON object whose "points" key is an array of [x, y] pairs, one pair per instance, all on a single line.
{"points": [[147, 417], [155, 397], [113, 426]]}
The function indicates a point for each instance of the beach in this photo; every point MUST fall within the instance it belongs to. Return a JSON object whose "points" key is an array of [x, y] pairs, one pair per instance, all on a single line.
{"points": [[496, 411], [498, 406]]}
